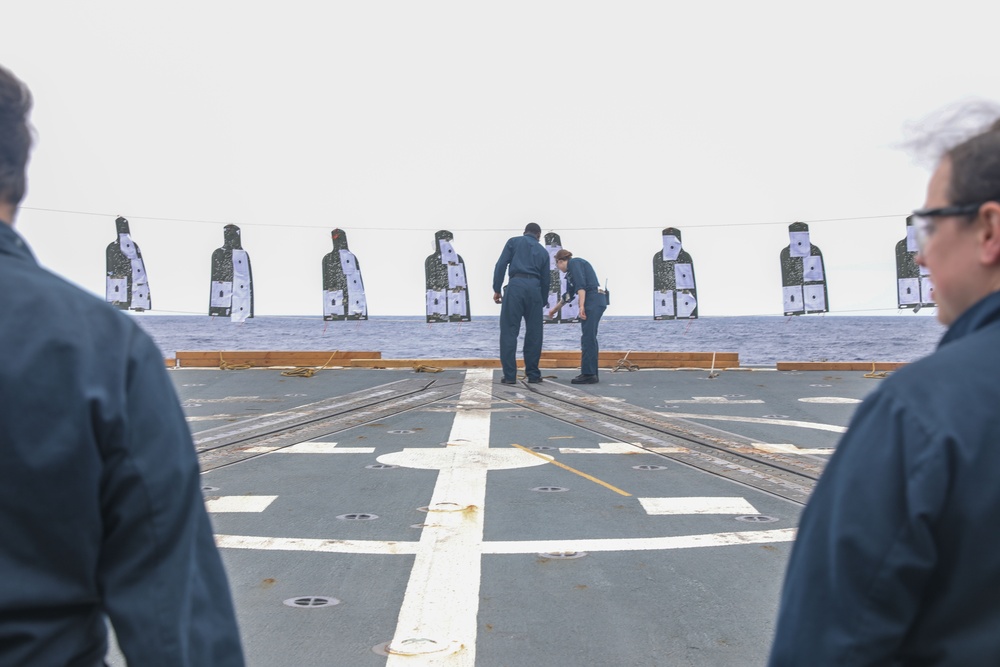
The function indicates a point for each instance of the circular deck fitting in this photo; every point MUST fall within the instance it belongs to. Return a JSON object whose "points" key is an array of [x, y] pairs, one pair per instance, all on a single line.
{"points": [[414, 646], [774, 417], [550, 489], [311, 602], [380, 466], [649, 467], [401, 432], [209, 489], [358, 516], [563, 555], [541, 448], [757, 518]]}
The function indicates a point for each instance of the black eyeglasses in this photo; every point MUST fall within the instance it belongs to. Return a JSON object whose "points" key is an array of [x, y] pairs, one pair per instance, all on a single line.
{"points": [[923, 219]]}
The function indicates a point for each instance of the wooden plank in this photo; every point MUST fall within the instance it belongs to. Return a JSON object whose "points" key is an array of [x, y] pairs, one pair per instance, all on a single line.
{"points": [[632, 356], [263, 359], [840, 365], [434, 363]]}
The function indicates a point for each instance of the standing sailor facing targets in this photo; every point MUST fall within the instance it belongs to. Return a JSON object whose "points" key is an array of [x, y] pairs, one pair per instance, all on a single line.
{"points": [[897, 559], [447, 289], [582, 286], [232, 279], [524, 298], [343, 289], [127, 284]]}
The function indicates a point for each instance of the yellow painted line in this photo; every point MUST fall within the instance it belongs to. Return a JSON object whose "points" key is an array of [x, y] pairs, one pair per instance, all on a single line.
{"points": [[574, 470]]}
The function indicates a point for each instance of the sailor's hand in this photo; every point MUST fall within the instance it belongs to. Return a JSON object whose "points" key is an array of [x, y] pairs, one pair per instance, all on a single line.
{"points": [[583, 314], [496, 297]]}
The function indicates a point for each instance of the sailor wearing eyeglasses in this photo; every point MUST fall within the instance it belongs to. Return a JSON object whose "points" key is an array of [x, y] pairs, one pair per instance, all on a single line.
{"points": [[897, 559]]}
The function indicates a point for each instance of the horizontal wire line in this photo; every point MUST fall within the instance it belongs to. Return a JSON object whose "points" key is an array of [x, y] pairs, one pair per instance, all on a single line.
{"points": [[466, 229]]}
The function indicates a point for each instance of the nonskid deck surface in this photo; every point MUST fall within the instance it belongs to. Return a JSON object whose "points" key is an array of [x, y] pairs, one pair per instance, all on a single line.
{"points": [[371, 517]]}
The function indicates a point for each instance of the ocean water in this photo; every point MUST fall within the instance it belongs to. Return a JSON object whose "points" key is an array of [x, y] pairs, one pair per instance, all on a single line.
{"points": [[760, 341]]}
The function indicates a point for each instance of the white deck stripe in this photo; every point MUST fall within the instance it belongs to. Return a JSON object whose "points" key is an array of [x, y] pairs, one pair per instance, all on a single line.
{"points": [[644, 543], [513, 547], [437, 620], [603, 448], [238, 503], [695, 505], [760, 420], [313, 448]]}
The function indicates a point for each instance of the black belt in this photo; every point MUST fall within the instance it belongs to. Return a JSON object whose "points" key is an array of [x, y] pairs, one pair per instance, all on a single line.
{"points": [[523, 275]]}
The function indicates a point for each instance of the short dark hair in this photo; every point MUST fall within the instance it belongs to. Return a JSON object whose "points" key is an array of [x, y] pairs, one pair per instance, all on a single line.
{"points": [[15, 137], [563, 254], [975, 168], [533, 228]]}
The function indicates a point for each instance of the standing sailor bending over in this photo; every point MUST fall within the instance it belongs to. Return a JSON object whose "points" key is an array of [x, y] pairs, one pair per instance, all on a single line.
{"points": [[582, 284]]}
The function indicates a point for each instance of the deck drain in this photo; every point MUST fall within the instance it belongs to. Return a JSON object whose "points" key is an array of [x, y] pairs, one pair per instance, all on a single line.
{"points": [[311, 602], [358, 516], [209, 489], [541, 448], [401, 432], [775, 417], [380, 466], [563, 555], [550, 489], [757, 518], [649, 467]]}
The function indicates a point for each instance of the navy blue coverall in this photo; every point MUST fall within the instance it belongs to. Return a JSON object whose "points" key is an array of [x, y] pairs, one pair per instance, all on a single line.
{"points": [[580, 275], [101, 508], [897, 559], [527, 292]]}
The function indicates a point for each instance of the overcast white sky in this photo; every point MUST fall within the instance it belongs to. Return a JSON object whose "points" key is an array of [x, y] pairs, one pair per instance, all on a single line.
{"points": [[602, 121]]}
